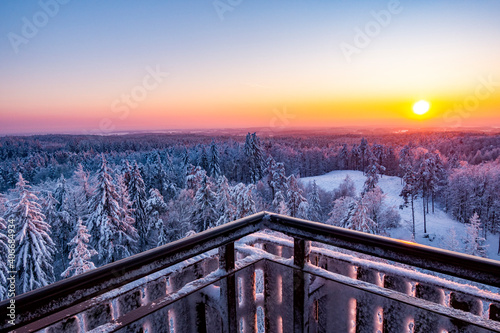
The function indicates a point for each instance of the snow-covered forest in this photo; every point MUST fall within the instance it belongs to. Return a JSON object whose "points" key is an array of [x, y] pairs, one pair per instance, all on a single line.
{"points": [[79, 202]]}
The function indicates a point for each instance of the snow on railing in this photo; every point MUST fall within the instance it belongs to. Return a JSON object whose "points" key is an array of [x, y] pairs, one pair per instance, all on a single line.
{"points": [[238, 278]]}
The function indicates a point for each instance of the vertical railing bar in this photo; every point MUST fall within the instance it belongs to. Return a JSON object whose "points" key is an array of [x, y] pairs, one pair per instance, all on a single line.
{"points": [[228, 289], [301, 249]]}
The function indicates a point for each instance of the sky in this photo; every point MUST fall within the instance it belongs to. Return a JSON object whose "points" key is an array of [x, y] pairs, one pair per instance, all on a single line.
{"points": [[97, 67]]}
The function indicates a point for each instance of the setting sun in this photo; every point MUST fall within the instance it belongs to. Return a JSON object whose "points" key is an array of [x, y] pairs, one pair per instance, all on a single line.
{"points": [[421, 107]]}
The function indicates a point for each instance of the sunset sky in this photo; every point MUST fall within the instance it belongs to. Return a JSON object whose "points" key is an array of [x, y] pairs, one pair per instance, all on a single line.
{"points": [[86, 66]]}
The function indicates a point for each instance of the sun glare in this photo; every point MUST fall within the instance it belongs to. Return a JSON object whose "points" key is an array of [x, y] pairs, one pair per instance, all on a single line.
{"points": [[421, 107]]}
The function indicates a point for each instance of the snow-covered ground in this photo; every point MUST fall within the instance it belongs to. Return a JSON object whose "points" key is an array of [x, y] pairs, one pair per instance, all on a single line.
{"points": [[439, 223]]}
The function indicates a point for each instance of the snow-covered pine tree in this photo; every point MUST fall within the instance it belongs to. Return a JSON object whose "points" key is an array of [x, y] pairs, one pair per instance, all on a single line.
{"points": [[254, 157], [163, 235], [303, 211], [258, 156], [343, 209], [158, 176], [373, 173], [277, 179], [81, 252], [343, 158], [62, 230], [279, 204], [225, 207], [129, 239], [294, 196], [214, 161], [355, 158], [205, 211], [194, 178], [112, 237], [83, 192], [361, 220], [475, 244], [137, 192], [35, 248], [363, 149], [204, 161], [156, 207], [61, 193], [180, 213], [245, 205], [315, 209]]}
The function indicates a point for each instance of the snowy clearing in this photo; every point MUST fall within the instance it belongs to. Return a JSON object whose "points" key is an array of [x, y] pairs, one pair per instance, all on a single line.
{"points": [[438, 223]]}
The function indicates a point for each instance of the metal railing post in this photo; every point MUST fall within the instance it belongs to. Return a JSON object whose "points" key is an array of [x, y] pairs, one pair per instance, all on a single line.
{"points": [[301, 249], [228, 287]]}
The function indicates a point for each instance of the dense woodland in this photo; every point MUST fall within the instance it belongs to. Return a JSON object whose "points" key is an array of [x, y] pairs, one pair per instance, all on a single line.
{"points": [[79, 202]]}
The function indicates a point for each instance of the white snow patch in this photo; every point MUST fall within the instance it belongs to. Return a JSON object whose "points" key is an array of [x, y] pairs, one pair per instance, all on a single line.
{"points": [[438, 223]]}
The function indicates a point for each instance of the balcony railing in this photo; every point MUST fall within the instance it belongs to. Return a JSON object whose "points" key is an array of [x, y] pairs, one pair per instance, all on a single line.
{"points": [[273, 273]]}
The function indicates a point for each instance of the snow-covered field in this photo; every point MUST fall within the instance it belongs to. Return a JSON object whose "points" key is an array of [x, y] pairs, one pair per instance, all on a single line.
{"points": [[439, 223]]}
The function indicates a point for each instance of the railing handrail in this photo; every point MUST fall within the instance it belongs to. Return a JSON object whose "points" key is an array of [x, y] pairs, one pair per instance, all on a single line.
{"points": [[473, 268], [114, 275], [120, 270]]}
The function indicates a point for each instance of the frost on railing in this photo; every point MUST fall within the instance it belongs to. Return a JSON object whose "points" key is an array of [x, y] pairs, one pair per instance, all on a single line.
{"points": [[269, 282]]}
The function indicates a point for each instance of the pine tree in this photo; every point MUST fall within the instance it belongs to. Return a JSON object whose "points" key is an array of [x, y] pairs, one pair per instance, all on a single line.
{"points": [[126, 231], [474, 243], [245, 205], [214, 161], [156, 207], [83, 192], [225, 207], [35, 248], [61, 193], [254, 157], [113, 237], [279, 204], [81, 254], [205, 212], [363, 149], [62, 228], [294, 196], [315, 210], [303, 211], [137, 192], [158, 176], [343, 158], [195, 177], [355, 158], [343, 209], [373, 173], [276, 177], [361, 220]]}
